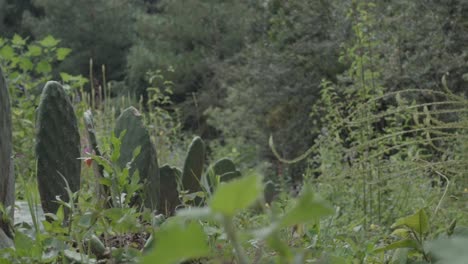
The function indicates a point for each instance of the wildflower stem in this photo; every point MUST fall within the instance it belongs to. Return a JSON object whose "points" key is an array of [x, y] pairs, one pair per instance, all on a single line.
{"points": [[232, 235]]}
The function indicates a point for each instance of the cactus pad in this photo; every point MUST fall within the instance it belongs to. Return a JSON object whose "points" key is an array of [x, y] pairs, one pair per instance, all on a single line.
{"points": [[169, 196], [224, 168], [57, 146], [193, 166], [7, 180], [146, 162]]}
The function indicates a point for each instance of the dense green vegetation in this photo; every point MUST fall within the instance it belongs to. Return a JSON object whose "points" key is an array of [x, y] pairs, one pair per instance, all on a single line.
{"points": [[222, 131]]}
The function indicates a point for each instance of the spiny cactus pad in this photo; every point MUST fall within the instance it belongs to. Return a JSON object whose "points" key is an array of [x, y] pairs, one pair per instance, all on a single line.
{"points": [[224, 168], [57, 146], [146, 162], [7, 180], [193, 166], [169, 196]]}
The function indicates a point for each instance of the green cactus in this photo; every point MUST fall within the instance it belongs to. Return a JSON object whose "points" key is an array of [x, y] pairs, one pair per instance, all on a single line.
{"points": [[193, 166], [169, 196], [230, 176], [102, 191], [146, 162], [7, 180], [224, 168], [57, 146]]}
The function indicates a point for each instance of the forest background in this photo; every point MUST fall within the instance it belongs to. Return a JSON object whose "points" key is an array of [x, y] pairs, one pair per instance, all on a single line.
{"points": [[245, 70]]}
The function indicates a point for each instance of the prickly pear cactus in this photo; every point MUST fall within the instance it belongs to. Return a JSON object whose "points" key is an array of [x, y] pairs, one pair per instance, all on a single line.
{"points": [[146, 162], [169, 196], [230, 176], [102, 191], [224, 168], [193, 166], [57, 146], [7, 180]]}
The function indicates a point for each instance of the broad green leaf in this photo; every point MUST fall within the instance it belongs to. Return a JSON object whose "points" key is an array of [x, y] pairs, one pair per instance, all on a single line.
{"points": [[460, 231], [86, 220], [49, 42], [34, 50], [401, 233], [332, 259], [400, 256], [417, 222], [23, 242], [195, 213], [236, 195], [176, 242], [62, 53], [25, 246], [18, 40], [66, 77], [452, 250], [76, 257], [308, 208], [43, 67], [25, 64], [279, 246], [103, 162], [407, 243], [7, 52]]}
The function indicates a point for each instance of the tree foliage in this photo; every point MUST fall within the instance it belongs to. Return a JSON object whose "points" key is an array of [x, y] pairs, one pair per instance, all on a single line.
{"points": [[97, 30], [193, 37]]}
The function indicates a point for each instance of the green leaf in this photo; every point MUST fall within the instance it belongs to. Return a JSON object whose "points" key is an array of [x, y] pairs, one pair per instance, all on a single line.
{"points": [[136, 152], [236, 195], [25, 64], [279, 246], [77, 79], [195, 213], [400, 256], [176, 242], [49, 42], [23, 242], [18, 40], [25, 246], [308, 208], [34, 50], [406, 243], [62, 53], [417, 222], [43, 67], [452, 250], [86, 220], [7, 52]]}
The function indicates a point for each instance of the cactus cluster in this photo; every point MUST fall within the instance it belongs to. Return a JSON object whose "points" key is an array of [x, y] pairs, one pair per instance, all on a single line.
{"points": [[7, 179], [58, 152], [57, 147]]}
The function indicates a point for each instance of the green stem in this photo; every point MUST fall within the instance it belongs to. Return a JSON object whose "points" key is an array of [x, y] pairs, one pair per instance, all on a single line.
{"points": [[232, 235]]}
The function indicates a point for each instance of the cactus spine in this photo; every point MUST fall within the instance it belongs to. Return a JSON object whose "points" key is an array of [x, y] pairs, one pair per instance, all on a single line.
{"points": [[169, 196], [193, 166], [146, 162], [57, 146], [7, 180]]}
